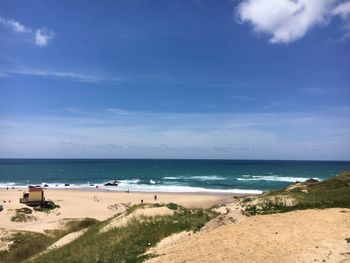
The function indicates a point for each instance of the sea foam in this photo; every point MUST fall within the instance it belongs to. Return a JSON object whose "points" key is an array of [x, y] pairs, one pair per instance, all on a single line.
{"points": [[130, 185], [275, 178]]}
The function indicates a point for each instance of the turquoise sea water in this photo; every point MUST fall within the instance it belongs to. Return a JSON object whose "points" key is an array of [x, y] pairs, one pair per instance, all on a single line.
{"points": [[231, 176]]}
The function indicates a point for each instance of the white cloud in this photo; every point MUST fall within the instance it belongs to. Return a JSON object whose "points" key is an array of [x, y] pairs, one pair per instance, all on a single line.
{"points": [[342, 10], [74, 76], [288, 20], [42, 37], [39, 36], [14, 25]]}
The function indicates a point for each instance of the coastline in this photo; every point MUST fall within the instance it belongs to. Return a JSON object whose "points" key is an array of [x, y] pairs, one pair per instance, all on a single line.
{"points": [[102, 188], [97, 204], [243, 229]]}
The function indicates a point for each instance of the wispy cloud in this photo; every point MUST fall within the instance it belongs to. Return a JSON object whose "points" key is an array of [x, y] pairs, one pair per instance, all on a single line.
{"points": [[286, 21], [165, 135], [74, 76], [119, 111], [39, 36], [15, 25]]}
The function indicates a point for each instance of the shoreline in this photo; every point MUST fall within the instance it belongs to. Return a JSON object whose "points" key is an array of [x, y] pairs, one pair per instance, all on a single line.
{"points": [[100, 205], [221, 192]]}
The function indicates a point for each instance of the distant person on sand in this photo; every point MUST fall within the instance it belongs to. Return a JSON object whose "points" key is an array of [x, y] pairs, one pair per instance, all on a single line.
{"points": [[141, 201], [155, 198]]}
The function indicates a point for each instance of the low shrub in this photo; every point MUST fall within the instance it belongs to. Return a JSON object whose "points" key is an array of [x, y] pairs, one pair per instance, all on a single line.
{"points": [[172, 206], [23, 215]]}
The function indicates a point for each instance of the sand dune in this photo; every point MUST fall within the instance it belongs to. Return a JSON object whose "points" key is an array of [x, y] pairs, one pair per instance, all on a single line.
{"points": [[299, 236]]}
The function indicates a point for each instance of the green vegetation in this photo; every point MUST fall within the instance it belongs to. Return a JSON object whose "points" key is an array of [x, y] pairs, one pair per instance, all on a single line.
{"points": [[71, 226], [172, 206], [141, 206], [333, 192], [25, 245], [48, 205], [28, 244], [246, 199], [128, 243], [124, 244], [23, 215], [135, 207]]}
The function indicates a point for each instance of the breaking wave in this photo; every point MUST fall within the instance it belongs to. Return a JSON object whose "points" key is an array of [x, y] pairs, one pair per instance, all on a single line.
{"points": [[275, 178]]}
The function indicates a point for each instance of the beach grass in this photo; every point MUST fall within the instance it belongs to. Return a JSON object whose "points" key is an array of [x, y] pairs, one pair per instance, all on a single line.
{"points": [[25, 245], [333, 192], [71, 226], [128, 243], [23, 215]]}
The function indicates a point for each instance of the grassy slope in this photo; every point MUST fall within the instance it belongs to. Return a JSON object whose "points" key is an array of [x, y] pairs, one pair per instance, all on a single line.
{"points": [[129, 243], [27, 244], [333, 192]]}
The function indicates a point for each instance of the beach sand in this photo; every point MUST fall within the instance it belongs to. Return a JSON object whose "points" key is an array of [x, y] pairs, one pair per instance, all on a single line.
{"points": [[96, 204], [298, 236]]}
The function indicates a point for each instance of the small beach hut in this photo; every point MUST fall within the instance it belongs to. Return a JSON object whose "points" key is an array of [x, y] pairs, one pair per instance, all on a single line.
{"points": [[33, 197]]}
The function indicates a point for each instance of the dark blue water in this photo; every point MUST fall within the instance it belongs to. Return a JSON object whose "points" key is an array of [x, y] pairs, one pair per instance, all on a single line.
{"points": [[166, 175]]}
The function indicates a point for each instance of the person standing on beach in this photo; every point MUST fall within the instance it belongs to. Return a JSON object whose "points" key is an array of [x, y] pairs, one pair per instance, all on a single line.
{"points": [[155, 198]]}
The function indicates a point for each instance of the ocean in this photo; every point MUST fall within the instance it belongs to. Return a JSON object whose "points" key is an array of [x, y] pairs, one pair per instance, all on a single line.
{"points": [[220, 176]]}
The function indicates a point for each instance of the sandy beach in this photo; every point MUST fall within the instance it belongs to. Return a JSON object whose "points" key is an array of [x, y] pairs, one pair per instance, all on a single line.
{"points": [[94, 204]]}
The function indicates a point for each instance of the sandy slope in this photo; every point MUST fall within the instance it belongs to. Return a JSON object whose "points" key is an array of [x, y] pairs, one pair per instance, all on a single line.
{"points": [[300, 236], [95, 204]]}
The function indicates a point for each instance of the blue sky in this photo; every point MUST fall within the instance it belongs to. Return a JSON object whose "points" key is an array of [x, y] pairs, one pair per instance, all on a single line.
{"points": [[243, 79]]}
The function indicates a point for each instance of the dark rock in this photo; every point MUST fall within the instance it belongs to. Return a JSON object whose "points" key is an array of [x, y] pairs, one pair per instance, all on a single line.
{"points": [[112, 183]]}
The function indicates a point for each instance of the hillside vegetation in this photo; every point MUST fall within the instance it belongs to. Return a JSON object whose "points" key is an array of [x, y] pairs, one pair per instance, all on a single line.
{"points": [[128, 243], [333, 192]]}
